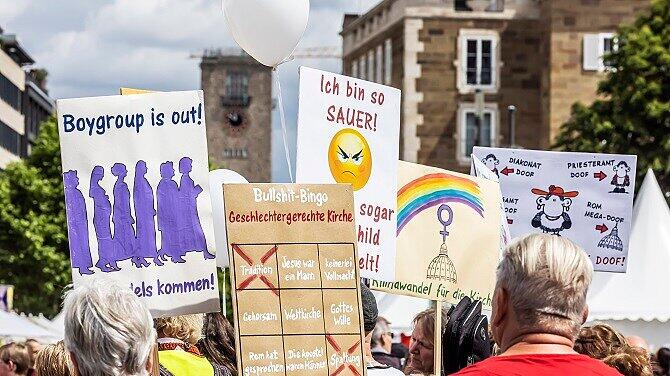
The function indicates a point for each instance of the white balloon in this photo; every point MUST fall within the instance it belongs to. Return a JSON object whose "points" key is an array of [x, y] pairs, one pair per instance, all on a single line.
{"points": [[268, 30], [217, 178]]}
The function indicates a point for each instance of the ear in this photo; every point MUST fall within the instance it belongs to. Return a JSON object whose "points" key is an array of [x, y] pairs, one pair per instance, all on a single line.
{"points": [[585, 314], [500, 306], [150, 361], [567, 202], [541, 200]]}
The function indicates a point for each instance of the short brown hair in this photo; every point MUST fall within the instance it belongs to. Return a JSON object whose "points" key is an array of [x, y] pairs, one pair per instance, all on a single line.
{"points": [[187, 328], [18, 354], [53, 360]]}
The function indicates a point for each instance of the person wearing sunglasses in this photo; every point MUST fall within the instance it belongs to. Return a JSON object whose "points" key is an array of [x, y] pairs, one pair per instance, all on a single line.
{"points": [[14, 359], [381, 344]]}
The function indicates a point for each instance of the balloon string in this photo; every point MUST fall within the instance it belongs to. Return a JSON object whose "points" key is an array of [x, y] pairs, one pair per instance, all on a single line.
{"points": [[283, 124]]}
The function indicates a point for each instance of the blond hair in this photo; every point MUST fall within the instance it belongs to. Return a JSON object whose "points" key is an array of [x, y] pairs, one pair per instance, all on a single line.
{"points": [[602, 342], [187, 328], [52, 360], [547, 278]]}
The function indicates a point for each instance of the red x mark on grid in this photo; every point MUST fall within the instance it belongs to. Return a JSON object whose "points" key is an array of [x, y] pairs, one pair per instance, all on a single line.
{"points": [[350, 351], [249, 261]]}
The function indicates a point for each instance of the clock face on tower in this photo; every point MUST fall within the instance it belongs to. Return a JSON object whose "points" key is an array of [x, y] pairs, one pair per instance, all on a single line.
{"points": [[236, 121]]}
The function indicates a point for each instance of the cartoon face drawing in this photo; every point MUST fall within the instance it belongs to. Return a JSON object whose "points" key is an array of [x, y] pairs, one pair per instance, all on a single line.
{"points": [[349, 158], [492, 162], [553, 206]]}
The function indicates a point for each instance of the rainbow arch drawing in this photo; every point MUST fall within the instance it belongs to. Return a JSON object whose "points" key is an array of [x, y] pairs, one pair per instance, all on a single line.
{"points": [[435, 189]]}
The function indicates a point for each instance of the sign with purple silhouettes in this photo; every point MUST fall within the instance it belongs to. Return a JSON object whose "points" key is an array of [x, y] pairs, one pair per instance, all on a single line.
{"points": [[135, 174]]}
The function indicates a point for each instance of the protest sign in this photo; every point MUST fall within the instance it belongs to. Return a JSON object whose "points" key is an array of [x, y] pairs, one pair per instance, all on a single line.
{"points": [[137, 199], [448, 235], [585, 197], [296, 292], [216, 180], [479, 169], [348, 132]]}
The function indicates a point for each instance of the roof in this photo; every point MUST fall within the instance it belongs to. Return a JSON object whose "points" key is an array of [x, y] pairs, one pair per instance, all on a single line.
{"points": [[13, 48], [640, 293]]}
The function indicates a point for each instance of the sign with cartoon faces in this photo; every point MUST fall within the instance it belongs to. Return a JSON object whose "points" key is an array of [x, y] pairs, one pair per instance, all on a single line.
{"points": [[348, 132], [585, 197]]}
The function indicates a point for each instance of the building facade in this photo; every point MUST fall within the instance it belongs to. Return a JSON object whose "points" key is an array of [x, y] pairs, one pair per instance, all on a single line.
{"points": [[24, 103], [461, 64], [238, 109]]}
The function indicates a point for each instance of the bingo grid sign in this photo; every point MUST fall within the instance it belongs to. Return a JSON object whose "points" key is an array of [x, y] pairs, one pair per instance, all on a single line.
{"points": [[584, 196], [296, 292]]}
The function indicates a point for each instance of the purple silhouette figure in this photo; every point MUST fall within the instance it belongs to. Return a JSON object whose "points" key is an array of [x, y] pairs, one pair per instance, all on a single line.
{"points": [[101, 222], [145, 214], [77, 224], [124, 234], [191, 236], [167, 197]]}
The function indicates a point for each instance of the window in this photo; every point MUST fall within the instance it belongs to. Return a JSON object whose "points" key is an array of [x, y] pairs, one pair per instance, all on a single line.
{"points": [[595, 47], [237, 89], [371, 66], [379, 64], [354, 69], [362, 68], [10, 93], [10, 139], [478, 65], [388, 63], [467, 129]]}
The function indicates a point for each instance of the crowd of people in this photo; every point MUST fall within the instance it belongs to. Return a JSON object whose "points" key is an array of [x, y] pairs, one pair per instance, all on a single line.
{"points": [[537, 327]]}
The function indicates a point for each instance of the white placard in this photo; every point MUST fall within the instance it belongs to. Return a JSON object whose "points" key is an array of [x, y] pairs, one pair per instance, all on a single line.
{"points": [[137, 197], [217, 178], [348, 132], [585, 197]]}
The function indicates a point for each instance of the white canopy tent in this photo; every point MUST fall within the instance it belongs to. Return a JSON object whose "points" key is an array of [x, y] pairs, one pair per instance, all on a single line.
{"points": [[399, 310], [637, 302], [15, 327]]}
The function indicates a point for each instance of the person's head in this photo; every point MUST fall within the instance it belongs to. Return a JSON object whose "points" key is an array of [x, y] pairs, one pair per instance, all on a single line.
{"points": [[637, 341], [186, 328], [97, 174], [52, 360], [218, 343], [108, 331], [14, 359], [167, 171], [423, 341], [663, 359], [370, 312], [185, 165], [34, 346], [70, 179], [599, 341], [631, 361], [141, 168], [382, 336], [541, 287], [491, 161], [119, 169]]}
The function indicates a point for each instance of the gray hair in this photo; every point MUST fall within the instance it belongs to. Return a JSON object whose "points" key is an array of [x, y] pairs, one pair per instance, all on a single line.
{"points": [[380, 328], [547, 278], [108, 330]]}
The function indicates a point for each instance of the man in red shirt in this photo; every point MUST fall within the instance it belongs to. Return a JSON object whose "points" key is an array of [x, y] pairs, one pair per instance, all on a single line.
{"points": [[538, 306]]}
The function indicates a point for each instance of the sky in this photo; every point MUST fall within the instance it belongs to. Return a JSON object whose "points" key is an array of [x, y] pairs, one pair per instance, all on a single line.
{"points": [[93, 47]]}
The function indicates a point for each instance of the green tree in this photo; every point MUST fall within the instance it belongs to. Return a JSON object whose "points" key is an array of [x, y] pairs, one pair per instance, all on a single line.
{"points": [[34, 251], [633, 114]]}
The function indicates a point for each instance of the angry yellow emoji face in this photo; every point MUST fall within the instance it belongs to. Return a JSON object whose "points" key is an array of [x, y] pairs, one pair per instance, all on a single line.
{"points": [[349, 158]]}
